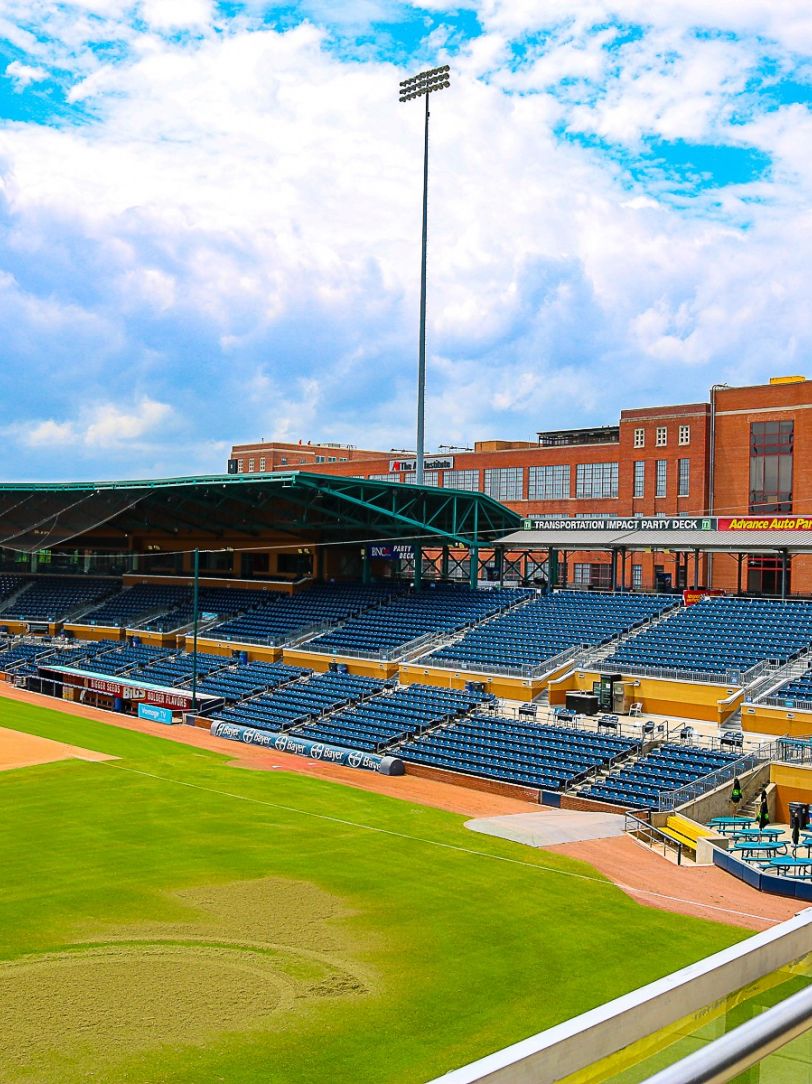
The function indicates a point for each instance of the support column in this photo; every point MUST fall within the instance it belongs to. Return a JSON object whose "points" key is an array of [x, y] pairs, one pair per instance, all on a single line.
{"points": [[320, 563], [499, 561], [784, 563], [613, 561], [739, 563], [473, 571], [444, 564], [696, 569], [552, 569], [417, 578], [366, 566]]}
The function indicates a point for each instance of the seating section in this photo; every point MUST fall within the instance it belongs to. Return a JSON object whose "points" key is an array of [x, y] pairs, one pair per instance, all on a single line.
{"points": [[378, 722], [179, 669], [301, 701], [668, 767], [54, 598], [796, 692], [10, 584], [241, 681], [19, 658], [282, 617], [123, 660], [134, 604], [527, 636], [529, 754], [721, 635], [222, 601], [442, 609]]}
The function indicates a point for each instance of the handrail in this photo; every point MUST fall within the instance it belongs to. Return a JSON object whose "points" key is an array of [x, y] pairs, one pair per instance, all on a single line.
{"points": [[635, 826], [751, 1042], [544, 667]]}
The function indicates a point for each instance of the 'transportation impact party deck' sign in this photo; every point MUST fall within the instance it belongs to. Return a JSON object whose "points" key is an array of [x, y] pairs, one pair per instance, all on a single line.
{"points": [[329, 754]]}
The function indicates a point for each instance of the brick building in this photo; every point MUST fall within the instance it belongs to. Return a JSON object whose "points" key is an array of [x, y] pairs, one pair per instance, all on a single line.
{"points": [[744, 451]]}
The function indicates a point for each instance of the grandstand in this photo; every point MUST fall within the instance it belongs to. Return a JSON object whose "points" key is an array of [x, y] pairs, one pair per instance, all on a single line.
{"points": [[524, 753], [722, 638], [528, 636], [240, 682], [391, 717], [56, 598], [667, 768], [433, 612], [280, 618], [301, 702]]}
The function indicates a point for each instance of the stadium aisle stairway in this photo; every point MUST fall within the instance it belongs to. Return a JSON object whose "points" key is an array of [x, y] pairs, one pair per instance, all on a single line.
{"points": [[667, 768]]}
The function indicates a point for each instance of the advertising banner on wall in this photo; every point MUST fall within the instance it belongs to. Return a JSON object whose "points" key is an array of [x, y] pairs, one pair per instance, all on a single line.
{"points": [[289, 743], [437, 462], [765, 523]]}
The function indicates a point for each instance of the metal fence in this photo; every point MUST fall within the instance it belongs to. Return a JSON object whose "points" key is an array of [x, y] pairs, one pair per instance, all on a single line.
{"points": [[649, 835], [536, 671]]}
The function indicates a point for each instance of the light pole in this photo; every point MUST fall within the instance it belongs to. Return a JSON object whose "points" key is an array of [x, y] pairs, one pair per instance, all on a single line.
{"points": [[422, 85]]}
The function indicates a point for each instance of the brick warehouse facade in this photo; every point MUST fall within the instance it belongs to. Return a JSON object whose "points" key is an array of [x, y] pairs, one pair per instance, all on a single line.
{"points": [[744, 451]]}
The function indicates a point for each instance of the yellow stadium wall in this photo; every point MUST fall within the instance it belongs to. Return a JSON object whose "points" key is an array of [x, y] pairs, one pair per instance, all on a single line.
{"points": [[95, 632], [16, 628], [255, 652], [510, 688], [362, 667], [279, 586], [659, 696], [783, 722], [792, 784]]}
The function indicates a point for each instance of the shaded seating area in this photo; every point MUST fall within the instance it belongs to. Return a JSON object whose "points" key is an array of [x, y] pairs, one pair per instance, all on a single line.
{"points": [[434, 610], [542, 629], [724, 636], [668, 767], [55, 598], [528, 754], [222, 601], [301, 701], [132, 604], [281, 617], [387, 718]]}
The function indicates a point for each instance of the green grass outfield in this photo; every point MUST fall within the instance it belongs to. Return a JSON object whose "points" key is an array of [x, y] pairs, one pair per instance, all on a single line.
{"points": [[165, 917]]}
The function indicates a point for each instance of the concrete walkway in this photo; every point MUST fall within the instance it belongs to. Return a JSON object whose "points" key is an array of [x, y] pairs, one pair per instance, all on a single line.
{"points": [[549, 827]]}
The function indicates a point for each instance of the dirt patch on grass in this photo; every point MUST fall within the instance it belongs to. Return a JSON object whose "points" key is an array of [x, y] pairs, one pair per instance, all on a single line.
{"points": [[19, 750], [251, 956]]}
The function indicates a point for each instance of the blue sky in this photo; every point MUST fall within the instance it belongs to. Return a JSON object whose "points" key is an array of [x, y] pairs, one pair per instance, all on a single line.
{"points": [[209, 219]]}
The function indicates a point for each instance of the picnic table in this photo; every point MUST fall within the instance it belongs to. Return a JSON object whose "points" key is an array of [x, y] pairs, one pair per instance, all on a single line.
{"points": [[727, 825], [752, 850], [786, 863], [765, 834]]}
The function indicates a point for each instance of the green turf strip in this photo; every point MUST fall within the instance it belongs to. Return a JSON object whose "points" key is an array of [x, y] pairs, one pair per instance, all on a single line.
{"points": [[435, 945]]}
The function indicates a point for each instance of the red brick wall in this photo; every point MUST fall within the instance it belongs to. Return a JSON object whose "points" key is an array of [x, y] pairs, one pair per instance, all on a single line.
{"points": [[490, 786]]}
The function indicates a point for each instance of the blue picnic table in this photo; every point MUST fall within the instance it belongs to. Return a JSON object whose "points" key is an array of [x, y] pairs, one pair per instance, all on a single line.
{"points": [[727, 825], [785, 863], [753, 850]]}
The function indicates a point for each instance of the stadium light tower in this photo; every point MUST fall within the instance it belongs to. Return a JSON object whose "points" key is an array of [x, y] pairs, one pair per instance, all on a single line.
{"points": [[418, 86]]}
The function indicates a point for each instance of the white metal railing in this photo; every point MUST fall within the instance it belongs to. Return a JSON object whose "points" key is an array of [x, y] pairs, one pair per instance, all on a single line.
{"points": [[536, 671]]}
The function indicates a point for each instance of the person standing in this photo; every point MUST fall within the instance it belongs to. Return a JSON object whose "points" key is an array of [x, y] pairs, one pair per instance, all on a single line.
{"points": [[736, 793]]}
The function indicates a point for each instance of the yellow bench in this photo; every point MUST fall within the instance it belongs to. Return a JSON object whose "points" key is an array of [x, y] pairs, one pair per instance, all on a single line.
{"points": [[685, 831]]}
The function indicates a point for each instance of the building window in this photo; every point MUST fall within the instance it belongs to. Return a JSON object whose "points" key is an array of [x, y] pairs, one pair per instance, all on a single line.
{"points": [[430, 477], [250, 465], [592, 575], [639, 438], [662, 436], [771, 453], [384, 477], [637, 577], [462, 479], [320, 458], [683, 477], [504, 483], [662, 476], [685, 434], [240, 466], [596, 480], [640, 478], [549, 483]]}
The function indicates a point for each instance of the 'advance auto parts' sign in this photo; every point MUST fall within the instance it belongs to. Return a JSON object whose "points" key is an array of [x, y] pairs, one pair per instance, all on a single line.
{"points": [[765, 523]]}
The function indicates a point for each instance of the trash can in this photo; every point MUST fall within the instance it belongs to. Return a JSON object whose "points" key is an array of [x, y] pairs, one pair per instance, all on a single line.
{"points": [[801, 811]]}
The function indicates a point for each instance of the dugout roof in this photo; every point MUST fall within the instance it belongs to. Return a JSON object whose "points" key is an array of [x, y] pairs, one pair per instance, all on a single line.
{"points": [[241, 509]]}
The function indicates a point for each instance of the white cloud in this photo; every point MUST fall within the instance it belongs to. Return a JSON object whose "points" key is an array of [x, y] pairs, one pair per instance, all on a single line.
{"points": [[23, 75], [100, 427]]}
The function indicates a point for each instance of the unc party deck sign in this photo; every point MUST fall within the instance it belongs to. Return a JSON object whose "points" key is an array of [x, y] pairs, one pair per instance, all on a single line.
{"points": [[287, 743]]}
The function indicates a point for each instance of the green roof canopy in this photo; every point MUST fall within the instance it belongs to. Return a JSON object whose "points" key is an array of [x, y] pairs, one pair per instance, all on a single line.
{"points": [[243, 508]]}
